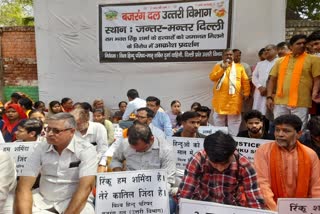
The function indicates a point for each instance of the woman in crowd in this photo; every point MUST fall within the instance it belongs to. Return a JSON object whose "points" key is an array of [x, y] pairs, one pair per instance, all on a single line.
{"points": [[173, 113], [9, 124], [118, 114], [54, 107], [39, 105], [195, 106]]}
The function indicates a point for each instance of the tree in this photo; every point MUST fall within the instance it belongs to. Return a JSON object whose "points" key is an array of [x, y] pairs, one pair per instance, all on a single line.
{"points": [[306, 9], [16, 12]]}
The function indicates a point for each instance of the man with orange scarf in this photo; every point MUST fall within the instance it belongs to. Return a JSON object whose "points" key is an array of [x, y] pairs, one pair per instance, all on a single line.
{"points": [[13, 115], [286, 168], [296, 78]]}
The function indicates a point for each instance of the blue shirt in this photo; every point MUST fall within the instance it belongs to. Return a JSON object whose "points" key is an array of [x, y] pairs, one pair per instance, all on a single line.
{"points": [[162, 121]]}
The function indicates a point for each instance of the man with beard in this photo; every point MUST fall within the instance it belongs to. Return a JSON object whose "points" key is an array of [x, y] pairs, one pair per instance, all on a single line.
{"points": [[286, 168], [255, 125], [296, 80]]}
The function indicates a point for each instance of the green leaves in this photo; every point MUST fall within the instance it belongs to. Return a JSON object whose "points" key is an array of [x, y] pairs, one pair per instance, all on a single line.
{"points": [[306, 9], [16, 13]]}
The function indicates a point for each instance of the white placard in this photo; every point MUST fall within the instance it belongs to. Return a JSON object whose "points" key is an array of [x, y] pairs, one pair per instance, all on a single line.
{"points": [[248, 146], [170, 31], [299, 205], [20, 152], [132, 192], [208, 130], [202, 207], [118, 132], [184, 148]]}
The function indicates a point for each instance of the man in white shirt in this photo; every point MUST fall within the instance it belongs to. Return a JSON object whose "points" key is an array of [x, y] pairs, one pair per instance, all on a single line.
{"points": [[143, 151], [134, 103], [67, 165], [7, 182], [92, 132], [260, 77]]}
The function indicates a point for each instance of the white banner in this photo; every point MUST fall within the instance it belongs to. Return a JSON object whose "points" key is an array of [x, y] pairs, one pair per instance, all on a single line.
{"points": [[208, 130], [298, 205], [184, 148], [202, 207], [248, 146], [164, 32], [117, 131], [20, 152], [132, 192]]}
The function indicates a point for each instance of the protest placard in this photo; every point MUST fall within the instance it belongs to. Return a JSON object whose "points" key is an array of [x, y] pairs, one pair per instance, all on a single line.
{"points": [[164, 32], [299, 205], [202, 207], [20, 152], [208, 130], [117, 131], [184, 148], [132, 192], [248, 146]]}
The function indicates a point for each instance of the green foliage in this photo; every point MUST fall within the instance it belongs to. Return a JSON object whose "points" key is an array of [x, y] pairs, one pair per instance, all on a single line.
{"points": [[306, 9], [16, 13]]}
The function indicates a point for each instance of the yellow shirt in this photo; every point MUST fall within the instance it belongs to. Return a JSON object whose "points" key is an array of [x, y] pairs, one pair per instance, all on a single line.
{"points": [[310, 69], [222, 101], [290, 161]]}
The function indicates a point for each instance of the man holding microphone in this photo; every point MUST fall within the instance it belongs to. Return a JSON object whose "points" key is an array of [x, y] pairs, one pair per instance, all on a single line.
{"points": [[231, 87]]}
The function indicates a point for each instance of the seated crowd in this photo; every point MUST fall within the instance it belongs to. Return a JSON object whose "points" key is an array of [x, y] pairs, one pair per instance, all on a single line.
{"points": [[77, 140]]}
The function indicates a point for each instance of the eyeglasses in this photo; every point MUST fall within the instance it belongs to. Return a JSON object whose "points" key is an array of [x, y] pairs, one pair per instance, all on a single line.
{"points": [[142, 117], [55, 130]]}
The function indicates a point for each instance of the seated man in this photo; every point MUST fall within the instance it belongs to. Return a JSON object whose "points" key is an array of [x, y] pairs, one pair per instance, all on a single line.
{"points": [[67, 165], [204, 112], [255, 123], [220, 174], [143, 151], [28, 130], [145, 116], [7, 182], [286, 168], [92, 132], [311, 139], [134, 103], [160, 119], [190, 121]]}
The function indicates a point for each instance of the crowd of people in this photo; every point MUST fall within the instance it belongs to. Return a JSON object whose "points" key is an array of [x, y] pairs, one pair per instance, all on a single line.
{"points": [[277, 99]]}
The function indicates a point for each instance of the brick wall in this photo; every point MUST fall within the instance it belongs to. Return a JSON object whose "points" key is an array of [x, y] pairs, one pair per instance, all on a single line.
{"points": [[301, 27], [19, 65]]}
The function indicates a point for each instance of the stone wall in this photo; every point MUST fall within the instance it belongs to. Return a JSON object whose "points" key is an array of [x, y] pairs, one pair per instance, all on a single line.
{"points": [[18, 63], [301, 27]]}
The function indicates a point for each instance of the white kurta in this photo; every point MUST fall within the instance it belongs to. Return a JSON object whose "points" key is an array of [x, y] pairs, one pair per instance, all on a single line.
{"points": [[259, 78]]}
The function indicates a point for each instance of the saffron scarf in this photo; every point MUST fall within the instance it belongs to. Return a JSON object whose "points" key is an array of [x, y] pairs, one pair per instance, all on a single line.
{"points": [[277, 173], [232, 79], [294, 83]]}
